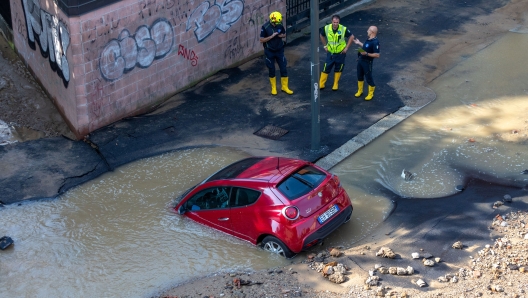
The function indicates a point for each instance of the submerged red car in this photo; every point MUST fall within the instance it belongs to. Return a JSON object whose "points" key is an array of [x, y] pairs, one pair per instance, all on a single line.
{"points": [[284, 205]]}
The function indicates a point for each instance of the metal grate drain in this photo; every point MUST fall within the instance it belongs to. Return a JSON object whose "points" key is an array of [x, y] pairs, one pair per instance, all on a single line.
{"points": [[271, 132]]}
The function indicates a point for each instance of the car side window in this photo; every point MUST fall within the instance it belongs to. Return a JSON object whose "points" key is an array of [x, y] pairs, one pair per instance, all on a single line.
{"points": [[244, 197], [211, 198]]}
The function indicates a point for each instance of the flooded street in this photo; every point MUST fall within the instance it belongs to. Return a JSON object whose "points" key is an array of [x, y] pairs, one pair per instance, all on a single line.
{"points": [[118, 236]]}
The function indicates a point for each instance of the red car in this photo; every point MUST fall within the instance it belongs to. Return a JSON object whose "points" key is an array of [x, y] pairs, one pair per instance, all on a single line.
{"points": [[284, 205]]}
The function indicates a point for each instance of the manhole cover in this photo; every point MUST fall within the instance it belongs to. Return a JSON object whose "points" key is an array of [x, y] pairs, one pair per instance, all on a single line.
{"points": [[271, 132]]}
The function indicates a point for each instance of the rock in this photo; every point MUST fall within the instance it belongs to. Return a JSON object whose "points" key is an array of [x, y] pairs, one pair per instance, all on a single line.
{"points": [[415, 255], [507, 199], [380, 292], [513, 267], [421, 283], [408, 176], [438, 260], [497, 204], [504, 224], [328, 270], [401, 271], [386, 252], [372, 281], [410, 270], [340, 268], [335, 252], [477, 274], [393, 270], [522, 269], [383, 270], [442, 279], [429, 263], [336, 278], [457, 245]]}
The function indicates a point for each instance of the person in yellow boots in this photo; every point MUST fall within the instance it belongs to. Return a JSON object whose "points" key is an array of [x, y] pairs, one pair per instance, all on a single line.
{"points": [[333, 38], [366, 54], [271, 37]]}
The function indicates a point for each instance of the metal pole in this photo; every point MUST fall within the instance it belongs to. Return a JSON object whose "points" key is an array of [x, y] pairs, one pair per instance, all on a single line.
{"points": [[314, 42]]}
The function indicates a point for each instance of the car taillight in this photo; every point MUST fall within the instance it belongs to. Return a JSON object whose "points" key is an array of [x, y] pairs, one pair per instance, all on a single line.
{"points": [[337, 181], [290, 212]]}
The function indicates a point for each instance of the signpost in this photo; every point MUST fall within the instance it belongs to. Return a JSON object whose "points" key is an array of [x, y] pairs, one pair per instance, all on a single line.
{"points": [[315, 99]]}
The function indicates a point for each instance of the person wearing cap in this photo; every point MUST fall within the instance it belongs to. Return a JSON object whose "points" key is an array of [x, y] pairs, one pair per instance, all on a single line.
{"points": [[366, 55], [333, 38], [271, 37]]}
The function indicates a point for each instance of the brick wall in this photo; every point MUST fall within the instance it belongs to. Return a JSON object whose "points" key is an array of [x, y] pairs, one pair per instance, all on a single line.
{"points": [[123, 58]]}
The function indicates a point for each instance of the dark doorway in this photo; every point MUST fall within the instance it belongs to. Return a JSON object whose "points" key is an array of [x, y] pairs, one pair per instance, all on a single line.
{"points": [[5, 12]]}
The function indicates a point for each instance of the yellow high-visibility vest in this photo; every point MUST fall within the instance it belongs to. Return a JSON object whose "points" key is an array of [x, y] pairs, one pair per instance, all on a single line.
{"points": [[336, 41]]}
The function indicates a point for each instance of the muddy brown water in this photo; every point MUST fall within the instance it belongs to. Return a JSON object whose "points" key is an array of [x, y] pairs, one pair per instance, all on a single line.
{"points": [[118, 236]]}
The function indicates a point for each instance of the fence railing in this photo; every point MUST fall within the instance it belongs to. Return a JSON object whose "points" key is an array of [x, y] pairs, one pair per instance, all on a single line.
{"points": [[298, 12]]}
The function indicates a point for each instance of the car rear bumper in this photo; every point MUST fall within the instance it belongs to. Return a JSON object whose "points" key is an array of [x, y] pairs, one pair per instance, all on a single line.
{"points": [[328, 228]]}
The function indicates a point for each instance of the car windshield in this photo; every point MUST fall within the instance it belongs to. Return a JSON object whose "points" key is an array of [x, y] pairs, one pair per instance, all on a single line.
{"points": [[234, 169], [301, 182]]}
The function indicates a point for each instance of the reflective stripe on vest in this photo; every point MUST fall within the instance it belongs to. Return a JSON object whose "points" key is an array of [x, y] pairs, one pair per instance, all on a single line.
{"points": [[336, 41]]}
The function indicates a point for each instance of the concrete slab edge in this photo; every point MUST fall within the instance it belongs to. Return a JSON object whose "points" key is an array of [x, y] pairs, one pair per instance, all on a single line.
{"points": [[365, 137]]}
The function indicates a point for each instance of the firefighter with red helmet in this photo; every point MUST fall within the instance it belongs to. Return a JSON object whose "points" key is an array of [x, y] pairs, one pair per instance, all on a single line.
{"points": [[271, 37]]}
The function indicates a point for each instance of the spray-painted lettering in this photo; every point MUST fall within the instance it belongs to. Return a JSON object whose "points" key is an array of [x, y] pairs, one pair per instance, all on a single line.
{"points": [[121, 55], [221, 15], [51, 34], [188, 54]]}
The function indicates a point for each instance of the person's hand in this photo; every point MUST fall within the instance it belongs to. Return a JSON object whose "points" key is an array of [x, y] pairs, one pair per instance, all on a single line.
{"points": [[344, 50], [356, 41]]}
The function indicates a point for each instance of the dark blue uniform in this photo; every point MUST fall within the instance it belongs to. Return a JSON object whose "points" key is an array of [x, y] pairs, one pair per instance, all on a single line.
{"points": [[364, 66], [274, 49]]}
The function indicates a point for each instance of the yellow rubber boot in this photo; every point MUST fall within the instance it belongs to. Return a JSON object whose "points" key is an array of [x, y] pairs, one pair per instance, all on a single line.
{"points": [[360, 89], [337, 76], [322, 80], [284, 85], [371, 93], [273, 82]]}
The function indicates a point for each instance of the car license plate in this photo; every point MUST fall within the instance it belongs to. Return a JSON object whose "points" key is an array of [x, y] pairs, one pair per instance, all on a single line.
{"points": [[329, 213]]}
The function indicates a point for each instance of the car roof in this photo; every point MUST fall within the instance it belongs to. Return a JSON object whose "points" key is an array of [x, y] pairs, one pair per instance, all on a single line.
{"points": [[259, 168]]}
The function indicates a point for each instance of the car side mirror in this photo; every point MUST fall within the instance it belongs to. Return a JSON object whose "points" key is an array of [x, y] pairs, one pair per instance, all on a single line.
{"points": [[182, 209]]}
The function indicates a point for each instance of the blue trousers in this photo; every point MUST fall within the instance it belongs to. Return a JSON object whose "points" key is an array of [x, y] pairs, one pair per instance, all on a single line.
{"points": [[276, 56], [336, 61], [364, 71]]}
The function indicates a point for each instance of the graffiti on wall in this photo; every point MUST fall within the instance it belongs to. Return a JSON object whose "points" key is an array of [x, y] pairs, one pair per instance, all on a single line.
{"points": [[51, 34], [206, 17], [123, 54], [188, 54]]}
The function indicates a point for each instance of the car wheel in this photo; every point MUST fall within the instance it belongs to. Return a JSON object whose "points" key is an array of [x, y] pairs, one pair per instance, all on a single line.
{"points": [[274, 245]]}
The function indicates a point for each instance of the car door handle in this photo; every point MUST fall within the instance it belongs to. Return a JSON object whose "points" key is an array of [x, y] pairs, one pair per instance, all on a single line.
{"points": [[224, 219]]}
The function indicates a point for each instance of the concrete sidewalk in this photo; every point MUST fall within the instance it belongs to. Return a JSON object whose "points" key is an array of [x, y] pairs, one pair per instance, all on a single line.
{"points": [[229, 107]]}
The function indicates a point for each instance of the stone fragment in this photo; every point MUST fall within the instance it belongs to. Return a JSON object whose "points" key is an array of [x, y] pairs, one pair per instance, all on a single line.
{"points": [[328, 270], [386, 252], [383, 270], [372, 281], [421, 283], [429, 263], [458, 245], [415, 255], [497, 204], [507, 199], [438, 260], [335, 252], [336, 278], [393, 270], [410, 270], [401, 271]]}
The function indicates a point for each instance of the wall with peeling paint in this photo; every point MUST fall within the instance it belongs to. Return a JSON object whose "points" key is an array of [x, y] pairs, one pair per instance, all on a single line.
{"points": [[120, 59]]}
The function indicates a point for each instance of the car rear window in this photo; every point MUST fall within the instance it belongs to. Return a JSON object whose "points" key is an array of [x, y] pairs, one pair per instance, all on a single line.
{"points": [[234, 169], [301, 182]]}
